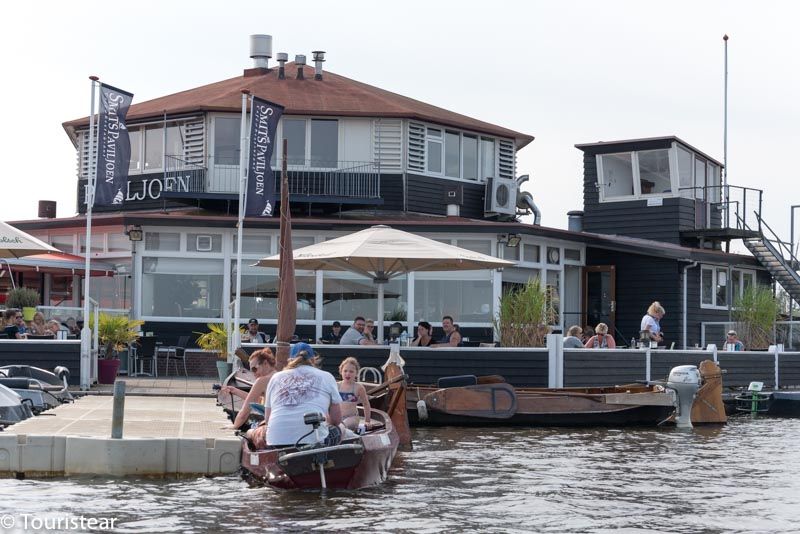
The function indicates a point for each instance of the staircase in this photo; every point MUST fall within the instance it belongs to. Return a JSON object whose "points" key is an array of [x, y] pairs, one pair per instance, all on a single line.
{"points": [[777, 257]]}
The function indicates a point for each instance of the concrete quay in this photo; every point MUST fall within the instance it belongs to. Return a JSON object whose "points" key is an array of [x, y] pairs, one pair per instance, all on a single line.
{"points": [[162, 436]]}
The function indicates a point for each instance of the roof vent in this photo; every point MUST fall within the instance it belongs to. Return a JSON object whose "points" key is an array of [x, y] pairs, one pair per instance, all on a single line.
{"points": [[282, 57], [261, 50], [300, 61], [319, 59]]}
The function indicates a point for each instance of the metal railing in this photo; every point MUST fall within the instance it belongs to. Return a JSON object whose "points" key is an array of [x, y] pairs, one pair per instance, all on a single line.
{"points": [[786, 333], [350, 179], [732, 208]]}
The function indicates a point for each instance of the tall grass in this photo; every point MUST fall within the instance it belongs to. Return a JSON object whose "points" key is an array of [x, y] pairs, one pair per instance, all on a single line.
{"points": [[525, 314], [755, 313]]}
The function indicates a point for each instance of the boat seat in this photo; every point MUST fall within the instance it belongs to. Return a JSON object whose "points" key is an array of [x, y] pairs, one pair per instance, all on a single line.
{"points": [[457, 381]]}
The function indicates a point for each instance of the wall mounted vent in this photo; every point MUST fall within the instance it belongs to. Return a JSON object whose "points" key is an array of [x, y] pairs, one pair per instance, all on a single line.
{"points": [[501, 197], [204, 243]]}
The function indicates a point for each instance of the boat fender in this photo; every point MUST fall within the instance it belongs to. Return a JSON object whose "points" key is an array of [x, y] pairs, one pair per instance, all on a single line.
{"points": [[422, 410]]}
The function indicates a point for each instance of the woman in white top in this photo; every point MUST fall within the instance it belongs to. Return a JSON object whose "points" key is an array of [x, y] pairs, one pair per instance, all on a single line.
{"points": [[651, 321]]}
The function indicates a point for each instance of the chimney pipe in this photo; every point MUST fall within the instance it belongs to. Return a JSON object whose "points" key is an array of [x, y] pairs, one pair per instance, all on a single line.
{"points": [[319, 59], [261, 50], [283, 57], [300, 62]]}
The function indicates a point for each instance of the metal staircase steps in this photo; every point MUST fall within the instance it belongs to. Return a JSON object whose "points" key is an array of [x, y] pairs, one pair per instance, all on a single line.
{"points": [[768, 254]]}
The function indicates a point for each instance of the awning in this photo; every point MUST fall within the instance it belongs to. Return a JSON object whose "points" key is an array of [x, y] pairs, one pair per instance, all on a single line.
{"points": [[56, 263]]}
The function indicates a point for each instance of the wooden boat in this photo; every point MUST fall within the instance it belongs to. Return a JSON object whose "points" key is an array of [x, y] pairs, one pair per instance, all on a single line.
{"points": [[491, 401], [357, 462]]}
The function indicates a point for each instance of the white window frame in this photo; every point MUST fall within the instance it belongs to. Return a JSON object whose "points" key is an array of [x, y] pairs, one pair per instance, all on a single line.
{"points": [[731, 295], [307, 156], [461, 133]]}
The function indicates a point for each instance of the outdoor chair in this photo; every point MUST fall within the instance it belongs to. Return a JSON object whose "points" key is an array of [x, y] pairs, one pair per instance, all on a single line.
{"points": [[144, 351], [174, 353]]}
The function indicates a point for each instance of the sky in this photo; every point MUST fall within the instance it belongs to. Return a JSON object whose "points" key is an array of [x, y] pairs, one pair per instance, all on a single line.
{"points": [[565, 72]]}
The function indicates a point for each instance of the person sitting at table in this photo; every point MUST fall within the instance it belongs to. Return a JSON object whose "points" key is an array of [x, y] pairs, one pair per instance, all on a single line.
{"points": [[424, 335], [252, 334], [732, 341], [355, 334], [38, 325], [53, 328], [602, 339], [334, 336], [10, 324], [452, 337], [72, 326], [573, 338]]}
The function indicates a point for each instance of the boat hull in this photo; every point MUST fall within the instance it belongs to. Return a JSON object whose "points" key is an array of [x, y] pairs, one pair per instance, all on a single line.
{"points": [[356, 463]]}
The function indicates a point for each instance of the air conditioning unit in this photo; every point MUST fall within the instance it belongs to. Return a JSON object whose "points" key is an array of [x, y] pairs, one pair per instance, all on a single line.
{"points": [[501, 197], [204, 243]]}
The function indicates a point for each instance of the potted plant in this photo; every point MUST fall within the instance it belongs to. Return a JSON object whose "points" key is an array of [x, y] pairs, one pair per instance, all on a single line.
{"points": [[216, 339], [114, 332], [25, 299], [525, 315], [755, 313]]}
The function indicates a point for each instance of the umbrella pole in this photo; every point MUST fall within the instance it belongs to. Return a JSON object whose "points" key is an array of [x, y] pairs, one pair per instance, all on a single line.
{"points": [[380, 311]]}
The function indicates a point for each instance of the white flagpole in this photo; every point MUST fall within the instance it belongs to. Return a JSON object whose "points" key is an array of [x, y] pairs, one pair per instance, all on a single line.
{"points": [[86, 332], [725, 143], [233, 336]]}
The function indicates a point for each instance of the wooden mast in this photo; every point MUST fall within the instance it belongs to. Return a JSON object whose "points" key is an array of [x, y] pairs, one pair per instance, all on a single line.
{"points": [[287, 291]]}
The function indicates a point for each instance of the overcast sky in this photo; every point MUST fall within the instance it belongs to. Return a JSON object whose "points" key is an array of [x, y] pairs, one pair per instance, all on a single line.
{"points": [[564, 72]]}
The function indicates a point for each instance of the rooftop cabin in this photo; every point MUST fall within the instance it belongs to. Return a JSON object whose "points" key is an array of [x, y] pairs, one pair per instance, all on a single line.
{"points": [[350, 146], [664, 189]]}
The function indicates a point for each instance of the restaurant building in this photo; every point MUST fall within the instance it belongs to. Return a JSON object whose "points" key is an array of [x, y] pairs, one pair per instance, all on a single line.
{"points": [[359, 155]]}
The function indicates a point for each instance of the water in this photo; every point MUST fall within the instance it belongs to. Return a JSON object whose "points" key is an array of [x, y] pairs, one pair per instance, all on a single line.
{"points": [[743, 477]]}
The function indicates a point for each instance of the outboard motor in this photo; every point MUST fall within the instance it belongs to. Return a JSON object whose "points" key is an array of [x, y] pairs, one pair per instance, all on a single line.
{"points": [[684, 380]]}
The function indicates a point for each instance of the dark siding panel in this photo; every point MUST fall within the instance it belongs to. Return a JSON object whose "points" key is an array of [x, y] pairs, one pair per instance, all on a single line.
{"points": [[789, 369], [588, 368], [45, 355], [426, 195], [640, 281], [392, 191]]}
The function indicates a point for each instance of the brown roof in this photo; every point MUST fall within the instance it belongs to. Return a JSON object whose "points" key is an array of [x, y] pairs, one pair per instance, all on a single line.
{"points": [[334, 95]]}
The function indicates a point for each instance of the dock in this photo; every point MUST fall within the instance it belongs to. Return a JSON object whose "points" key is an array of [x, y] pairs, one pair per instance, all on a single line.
{"points": [[162, 436]]}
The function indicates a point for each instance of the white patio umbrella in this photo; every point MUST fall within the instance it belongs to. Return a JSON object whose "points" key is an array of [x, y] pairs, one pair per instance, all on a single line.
{"points": [[382, 253], [15, 243]]}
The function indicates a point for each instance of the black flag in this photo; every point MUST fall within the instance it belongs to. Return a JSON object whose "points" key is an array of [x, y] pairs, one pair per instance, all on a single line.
{"points": [[260, 179], [113, 147]]}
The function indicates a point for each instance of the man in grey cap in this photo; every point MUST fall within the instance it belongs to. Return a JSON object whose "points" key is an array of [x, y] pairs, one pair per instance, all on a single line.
{"points": [[732, 341], [253, 335]]}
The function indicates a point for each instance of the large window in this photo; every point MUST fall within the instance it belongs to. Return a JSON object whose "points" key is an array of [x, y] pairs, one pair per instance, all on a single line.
{"points": [[324, 143], [452, 155], [434, 152], [718, 289], [227, 138], [459, 155], [260, 286], [617, 175], [439, 294], [175, 287], [470, 147], [347, 295], [147, 144], [294, 132], [654, 175]]}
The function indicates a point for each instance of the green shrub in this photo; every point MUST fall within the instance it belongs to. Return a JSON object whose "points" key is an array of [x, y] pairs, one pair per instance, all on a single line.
{"points": [[755, 313], [525, 315]]}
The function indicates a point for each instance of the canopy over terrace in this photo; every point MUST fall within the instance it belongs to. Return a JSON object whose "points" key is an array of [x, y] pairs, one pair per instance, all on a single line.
{"points": [[382, 253], [57, 263]]}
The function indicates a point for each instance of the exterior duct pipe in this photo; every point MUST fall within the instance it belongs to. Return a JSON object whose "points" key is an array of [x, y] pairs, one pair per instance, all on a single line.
{"points": [[319, 59], [300, 61], [525, 201], [282, 58]]}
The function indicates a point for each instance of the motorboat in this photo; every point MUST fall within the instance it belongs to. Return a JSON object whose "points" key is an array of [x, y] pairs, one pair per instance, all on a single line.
{"points": [[41, 388], [13, 408], [358, 461], [690, 395]]}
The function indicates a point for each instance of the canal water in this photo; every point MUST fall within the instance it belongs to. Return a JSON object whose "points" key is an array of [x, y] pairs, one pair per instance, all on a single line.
{"points": [[742, 477]]}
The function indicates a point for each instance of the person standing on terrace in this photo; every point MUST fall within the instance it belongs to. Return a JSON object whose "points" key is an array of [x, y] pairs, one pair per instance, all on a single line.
{"points": [[651, 322]]}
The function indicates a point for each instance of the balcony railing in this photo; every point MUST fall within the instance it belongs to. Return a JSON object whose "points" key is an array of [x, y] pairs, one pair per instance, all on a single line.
{"points": [[312, 178], [739, 209]]}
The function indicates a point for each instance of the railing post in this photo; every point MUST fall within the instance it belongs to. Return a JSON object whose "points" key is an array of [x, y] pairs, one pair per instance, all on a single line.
{"points": [[555, 361], [777, 360], [647, 363]]}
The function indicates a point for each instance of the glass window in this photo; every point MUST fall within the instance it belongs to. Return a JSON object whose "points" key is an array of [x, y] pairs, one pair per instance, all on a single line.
{"points": [[707, 287], [175, 141], [617, 175], [324, 143], [481, 246], [254, 244], [747, 280], [452, 155], [118, 243], [204, 243], [153, 147], [685, 172], [654, 172], [700, 178], [62, 243], [294, 131], [470, 157], [180, 287], [135, 135], [434, 155], [572, 254], [511, 253], [162, 241], [300, 241], [113, 291], [530, 253], [97, 243], [487, 158], [259, 295], [466, 300], [722, 287], [346, 295], [227, 138], [715, 186], [552, 286]]}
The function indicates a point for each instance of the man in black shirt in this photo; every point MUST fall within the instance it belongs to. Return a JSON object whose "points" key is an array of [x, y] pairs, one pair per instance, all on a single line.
{"points": [[333, 337]]}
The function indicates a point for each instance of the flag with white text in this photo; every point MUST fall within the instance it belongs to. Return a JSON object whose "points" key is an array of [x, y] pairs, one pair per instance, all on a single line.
{"points": [[113, 147], [260, 178]]}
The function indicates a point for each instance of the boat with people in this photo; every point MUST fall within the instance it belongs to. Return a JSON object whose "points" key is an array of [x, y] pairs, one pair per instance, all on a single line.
{"points": [[490, 401]]}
